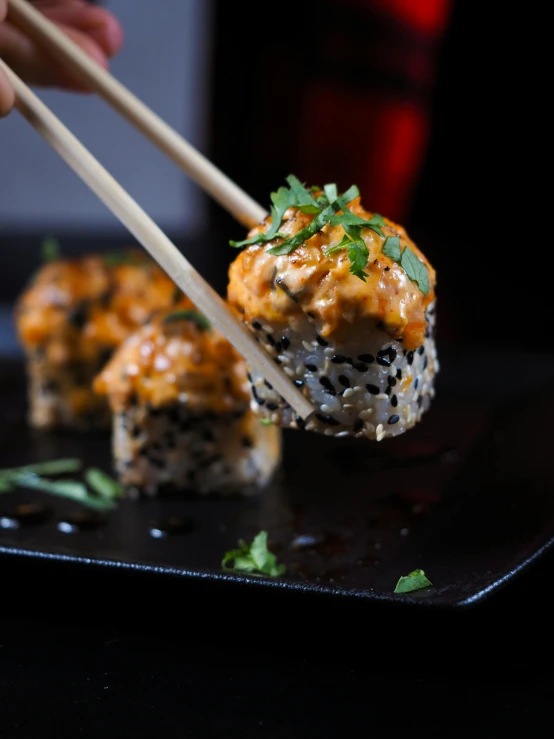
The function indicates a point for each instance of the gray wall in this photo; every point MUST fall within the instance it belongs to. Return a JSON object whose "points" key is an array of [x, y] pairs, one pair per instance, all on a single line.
{"points": [[164, 61]]}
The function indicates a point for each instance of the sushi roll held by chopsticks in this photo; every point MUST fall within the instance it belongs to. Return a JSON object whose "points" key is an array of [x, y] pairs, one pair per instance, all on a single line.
{"points": [[71, 317], [179, 396], [345, 302]]}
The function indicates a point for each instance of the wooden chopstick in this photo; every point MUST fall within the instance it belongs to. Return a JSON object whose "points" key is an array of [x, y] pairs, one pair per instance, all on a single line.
{"points": [[224, 191], [153, 239]]}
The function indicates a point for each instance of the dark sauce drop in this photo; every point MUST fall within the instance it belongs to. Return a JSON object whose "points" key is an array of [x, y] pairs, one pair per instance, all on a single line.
{"points": [[163, 527], [81, 521], [25, 514]]}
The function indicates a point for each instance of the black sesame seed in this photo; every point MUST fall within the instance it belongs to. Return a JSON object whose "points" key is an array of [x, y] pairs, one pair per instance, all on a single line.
{"points": [[410, 357], [399, 373], [358, 424], [373, 389], [421, 350], [270, 339], [344, 381], [394, 419], [285, 343], [300, 423], [271, 406], [328, 385], [256, 325], [266, 383], [367, 358], [277, 360], [311, 367], [327, 419], [383, 360], [387, 269], [278, 347], [360, 366], [394, 401], [391, 381], [338, 359], [388, 390], [416, 383], [299, 383], [321, 341], [249, 376], [420, 401], [425, 363]]}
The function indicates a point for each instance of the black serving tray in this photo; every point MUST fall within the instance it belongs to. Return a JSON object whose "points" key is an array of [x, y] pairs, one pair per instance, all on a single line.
{"points": [[467, 496]]}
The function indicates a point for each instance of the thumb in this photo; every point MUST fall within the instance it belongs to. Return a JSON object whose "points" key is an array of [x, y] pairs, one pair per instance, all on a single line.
{"points": [[7, 95]]}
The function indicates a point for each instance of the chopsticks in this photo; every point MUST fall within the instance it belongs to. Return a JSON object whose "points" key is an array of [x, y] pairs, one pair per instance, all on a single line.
{"points": [[224, 191], [152, 238]]}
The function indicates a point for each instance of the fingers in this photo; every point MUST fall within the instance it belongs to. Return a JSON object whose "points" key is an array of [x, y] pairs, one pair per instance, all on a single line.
{"points": [[95, 30], [92, 21], [7, 95]]}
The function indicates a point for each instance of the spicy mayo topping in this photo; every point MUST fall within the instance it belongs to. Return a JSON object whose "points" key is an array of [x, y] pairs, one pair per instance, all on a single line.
{"points": [[168, 361], [77, 309], [307, 281]]}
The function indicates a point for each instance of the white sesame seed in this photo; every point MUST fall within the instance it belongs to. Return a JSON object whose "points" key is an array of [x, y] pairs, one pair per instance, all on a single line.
{"points": [[357, 389], [342, 434], [328, 351], [348, 392], [288, 371], [307, 346], [268, 329]]}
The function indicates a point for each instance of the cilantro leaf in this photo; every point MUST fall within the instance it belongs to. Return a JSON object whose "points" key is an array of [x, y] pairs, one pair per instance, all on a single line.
{"points": [[304, 200], [410, 263], [307, 232], [189, 315], [416, 580], [415, 269], [391, 248], [351, 219], [50, 249], [253, 558], [357, 252], [331, 192]]}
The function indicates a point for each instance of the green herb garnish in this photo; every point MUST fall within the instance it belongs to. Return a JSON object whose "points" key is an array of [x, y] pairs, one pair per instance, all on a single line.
{"points": [[103, 484], [410, 263], [34, 476], [266, 421], [50, 249], [254, 558], [326, 209], [189, 315], [416, 580]]}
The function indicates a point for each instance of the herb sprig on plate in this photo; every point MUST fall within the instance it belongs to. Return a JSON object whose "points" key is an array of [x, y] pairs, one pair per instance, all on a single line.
{"points": [[98, 490], [325, 208], [415, 580], [254, 558]]}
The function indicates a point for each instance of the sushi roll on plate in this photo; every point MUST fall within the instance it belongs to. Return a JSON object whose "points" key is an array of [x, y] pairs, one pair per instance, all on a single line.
{"points": [[179, 396], [71, 317], [344, 301]]}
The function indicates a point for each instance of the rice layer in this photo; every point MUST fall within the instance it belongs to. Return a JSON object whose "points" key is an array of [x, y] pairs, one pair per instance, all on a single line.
{"points": [[61, 395], [171, 449], [368, 387]]}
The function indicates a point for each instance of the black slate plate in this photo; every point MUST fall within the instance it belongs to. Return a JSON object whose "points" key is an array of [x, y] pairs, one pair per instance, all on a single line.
{"points": [[468, 496]]}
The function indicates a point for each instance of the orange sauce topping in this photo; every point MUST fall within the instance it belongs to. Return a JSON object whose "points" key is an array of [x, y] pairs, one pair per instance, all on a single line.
{"points": [[280, 288]]}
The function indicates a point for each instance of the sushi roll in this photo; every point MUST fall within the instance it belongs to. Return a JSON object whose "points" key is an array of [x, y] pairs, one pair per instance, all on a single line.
{"points": [[344, 301], [179, 396], [71, 317]]}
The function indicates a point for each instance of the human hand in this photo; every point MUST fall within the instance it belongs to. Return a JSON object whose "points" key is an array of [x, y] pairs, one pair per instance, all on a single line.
{"points": [[94, 29]]}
